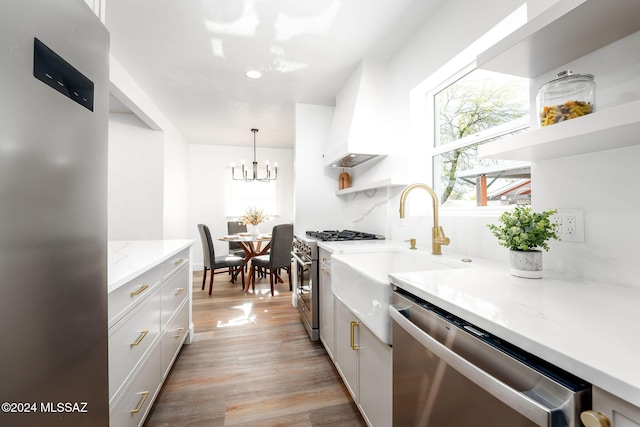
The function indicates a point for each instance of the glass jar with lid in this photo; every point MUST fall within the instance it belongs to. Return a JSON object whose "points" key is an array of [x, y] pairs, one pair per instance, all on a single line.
{"points": [[567, 97]]}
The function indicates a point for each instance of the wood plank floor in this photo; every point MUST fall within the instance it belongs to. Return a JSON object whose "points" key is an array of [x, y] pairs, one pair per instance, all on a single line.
{"points": [[251, 363]]}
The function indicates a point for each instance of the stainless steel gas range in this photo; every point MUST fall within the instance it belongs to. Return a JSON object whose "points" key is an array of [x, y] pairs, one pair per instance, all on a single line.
{"points": [[306, 272]]}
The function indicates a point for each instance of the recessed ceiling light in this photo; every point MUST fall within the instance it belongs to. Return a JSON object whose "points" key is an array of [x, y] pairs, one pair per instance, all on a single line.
{"points": [[253, 74]]}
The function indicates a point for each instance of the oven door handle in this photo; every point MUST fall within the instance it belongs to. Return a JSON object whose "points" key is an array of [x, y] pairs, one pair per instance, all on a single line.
{"points": [[533, 410], [299, 260]]}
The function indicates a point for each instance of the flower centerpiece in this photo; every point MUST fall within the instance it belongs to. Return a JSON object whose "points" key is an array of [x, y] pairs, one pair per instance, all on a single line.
{"points": [[252, 217], [523, 231]]}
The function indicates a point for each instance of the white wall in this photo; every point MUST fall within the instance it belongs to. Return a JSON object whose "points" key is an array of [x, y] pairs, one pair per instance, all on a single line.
{"points": [[176, 185], [603, 185], [208, 171], [316, 205], [170, 147], [135, 180]]}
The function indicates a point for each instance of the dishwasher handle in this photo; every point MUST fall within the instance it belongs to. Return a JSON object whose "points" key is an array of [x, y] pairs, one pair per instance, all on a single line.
{"points": [[533, 410]]}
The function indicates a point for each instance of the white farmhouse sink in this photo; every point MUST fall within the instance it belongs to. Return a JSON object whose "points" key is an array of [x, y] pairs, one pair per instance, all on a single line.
{"points": [[360, 281]]}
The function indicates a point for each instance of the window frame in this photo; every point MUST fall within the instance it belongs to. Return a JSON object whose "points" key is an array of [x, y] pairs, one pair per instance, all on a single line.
{"points": [[480, 138], [422, 108]]}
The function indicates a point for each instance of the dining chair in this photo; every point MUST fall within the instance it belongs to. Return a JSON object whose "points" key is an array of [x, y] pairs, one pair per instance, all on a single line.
{"points": [[213, 263], [278, 258], [235, 227]]}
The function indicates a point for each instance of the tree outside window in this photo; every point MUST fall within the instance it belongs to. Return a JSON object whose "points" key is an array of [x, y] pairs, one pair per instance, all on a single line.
{"points": [[475, 109]]}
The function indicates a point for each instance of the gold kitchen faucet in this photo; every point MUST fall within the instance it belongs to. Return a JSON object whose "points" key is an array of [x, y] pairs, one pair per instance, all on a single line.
{"points": [[437, 232]]}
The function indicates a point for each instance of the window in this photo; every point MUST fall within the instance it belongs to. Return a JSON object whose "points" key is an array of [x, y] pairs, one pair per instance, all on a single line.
{"points": [[479, 107], [460, 107], [241, 195]]}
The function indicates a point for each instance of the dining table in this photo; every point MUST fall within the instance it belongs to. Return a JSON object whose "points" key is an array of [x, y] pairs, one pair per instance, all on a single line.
{"points": [[252, 245]]}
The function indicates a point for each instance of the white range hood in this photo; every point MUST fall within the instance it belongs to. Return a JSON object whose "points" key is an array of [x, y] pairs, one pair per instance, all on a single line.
{"points": [[358, 130]]}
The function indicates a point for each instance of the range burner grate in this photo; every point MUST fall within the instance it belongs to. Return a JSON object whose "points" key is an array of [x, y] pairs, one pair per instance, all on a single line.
{"points": [[342, 235]]}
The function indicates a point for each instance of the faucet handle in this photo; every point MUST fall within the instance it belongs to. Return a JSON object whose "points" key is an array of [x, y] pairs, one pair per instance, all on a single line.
{"points": [[412, 242], [441, 238]]}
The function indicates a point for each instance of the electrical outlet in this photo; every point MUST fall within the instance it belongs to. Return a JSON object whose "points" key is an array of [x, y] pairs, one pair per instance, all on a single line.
{"points": [[570, 224]]}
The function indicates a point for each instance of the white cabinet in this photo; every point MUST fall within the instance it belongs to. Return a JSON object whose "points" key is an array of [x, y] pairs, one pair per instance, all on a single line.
{"points": [[173, 337], [173, 293], [619, 412], [375, 369], [346, 356], [131, 339], [149, 320], [134, 402], [582, 27], [327, 325], [365, 364], [124, 298]]}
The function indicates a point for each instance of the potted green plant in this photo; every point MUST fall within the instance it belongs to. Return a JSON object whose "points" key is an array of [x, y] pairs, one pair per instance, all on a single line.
{"points": [[523, 231]]}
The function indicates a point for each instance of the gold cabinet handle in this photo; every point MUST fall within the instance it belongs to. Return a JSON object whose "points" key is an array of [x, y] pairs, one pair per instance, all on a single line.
{"points": [[144, 395], [324, 270], [180, 331], [178, 291], [352, 342], [140, 338], [139, 291], [178, 261]]}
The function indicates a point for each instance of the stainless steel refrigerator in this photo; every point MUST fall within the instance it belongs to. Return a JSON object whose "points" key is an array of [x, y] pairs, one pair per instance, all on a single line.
{"points": [[54, 98]]}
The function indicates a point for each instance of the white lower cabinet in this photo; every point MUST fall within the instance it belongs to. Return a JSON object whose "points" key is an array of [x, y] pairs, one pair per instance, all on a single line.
{"points": [[326, 316], [131, 338], [375, 375], [148, 324], [134, 402], [619, 412], [174, 292], [346, 358], [365, 364], [173, 337]]}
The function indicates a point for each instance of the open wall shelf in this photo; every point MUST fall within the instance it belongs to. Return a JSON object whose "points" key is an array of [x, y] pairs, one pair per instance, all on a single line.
{"points": [[385, 183], [615, 127], [568, 30]]}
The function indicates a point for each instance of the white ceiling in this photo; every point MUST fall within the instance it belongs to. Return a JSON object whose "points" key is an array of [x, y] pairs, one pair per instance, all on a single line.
{"points": [[190, 57]]}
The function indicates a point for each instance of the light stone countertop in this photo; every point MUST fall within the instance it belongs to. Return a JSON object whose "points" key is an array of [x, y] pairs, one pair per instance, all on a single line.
{"points": [[587, 328], [128, 259]]}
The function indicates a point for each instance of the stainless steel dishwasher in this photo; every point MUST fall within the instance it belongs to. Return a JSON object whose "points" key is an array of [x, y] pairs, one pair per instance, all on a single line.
{"points": [[449, 373]]}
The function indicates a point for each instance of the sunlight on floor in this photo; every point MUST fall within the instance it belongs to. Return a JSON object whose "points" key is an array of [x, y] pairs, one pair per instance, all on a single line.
{"points": [[266, 292], [244, 319]]}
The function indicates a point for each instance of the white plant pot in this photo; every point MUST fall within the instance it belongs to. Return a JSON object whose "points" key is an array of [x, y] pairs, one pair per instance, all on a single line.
{"points": [[255, 231], [527, 264]]}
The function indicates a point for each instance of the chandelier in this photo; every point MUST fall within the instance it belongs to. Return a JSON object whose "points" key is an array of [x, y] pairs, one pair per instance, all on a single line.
{"points": [[254, 170]]}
